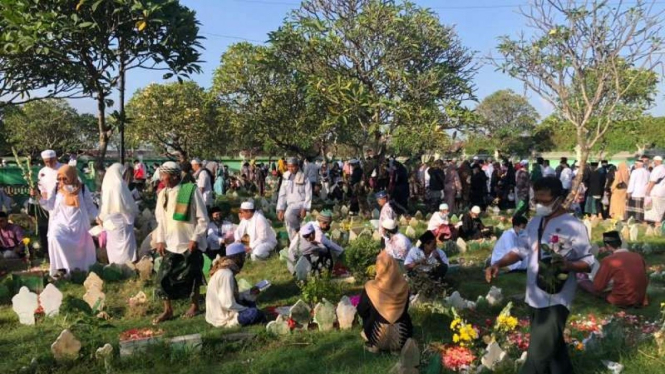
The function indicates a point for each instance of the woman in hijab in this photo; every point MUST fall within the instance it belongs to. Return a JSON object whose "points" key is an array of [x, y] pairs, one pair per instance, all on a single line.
{"points": [[117, 215], [71, 210], [384, 307], [618, 189]]}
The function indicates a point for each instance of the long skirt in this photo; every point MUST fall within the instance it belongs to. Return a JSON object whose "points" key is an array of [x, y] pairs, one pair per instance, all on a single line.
{"points": [[635, 208], [655, 214], [121, 244], [547, 351], [618, 204], [180, 275]]}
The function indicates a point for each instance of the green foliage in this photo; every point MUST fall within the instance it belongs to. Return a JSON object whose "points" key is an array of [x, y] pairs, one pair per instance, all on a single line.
{"points": [[361, 254], [176, 117], [315, 289], [47, 124]]}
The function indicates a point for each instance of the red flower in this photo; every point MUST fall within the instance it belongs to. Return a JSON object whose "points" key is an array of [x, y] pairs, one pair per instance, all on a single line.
{"points": [[554, 239], [292, 324], [455, 358]]}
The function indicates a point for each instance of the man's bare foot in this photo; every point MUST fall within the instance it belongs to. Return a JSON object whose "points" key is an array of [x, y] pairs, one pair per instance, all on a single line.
{"points": [[191, 312], [167, 315]]}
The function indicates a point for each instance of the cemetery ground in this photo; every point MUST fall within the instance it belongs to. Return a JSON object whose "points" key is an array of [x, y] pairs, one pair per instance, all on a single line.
{"points": [[312, 351]]}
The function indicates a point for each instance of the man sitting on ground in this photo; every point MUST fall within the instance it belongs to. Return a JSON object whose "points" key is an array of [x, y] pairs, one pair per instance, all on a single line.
{"points": [[510, 240], [220, 234], [306, 245], [426, 257], [11, 239], [321, 226], [262, 238], [439, 224], [622, 277], [472, 227], [225, 307]]}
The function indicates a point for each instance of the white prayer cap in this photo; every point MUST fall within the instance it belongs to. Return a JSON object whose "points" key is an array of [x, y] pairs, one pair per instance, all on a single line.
{"points": [[235, 249], [353, 161], [524, 162], [170, 167], [475, 158], [475, 209], [658, 158], [48, 154], [443, 207], [389, 224], [196, 161], [247, 205], [308, 229]]}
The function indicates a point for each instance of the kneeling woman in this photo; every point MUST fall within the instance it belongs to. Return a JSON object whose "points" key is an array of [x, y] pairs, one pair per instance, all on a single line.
{"points": [[225, 307], [384, 307], [427, 258]]}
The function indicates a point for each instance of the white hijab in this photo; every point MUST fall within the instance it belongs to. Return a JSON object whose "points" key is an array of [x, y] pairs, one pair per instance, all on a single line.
{"points": [[116, 197]]}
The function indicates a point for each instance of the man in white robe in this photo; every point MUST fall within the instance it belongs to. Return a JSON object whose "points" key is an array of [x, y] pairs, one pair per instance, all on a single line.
{"points": [[225, 306], [321, 226], [261, 237], [203, 181], [387, 212], [180, 238], [637, 188], [71, 210], [396, 244], [46, 182]]}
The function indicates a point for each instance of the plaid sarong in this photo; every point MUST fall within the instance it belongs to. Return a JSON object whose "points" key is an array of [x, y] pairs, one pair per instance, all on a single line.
{"points": [[183, 200], [180, 275], [635, 208]]}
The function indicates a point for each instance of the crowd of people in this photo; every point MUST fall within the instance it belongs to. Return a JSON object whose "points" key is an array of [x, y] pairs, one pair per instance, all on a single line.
{"points": [[189, 226]]}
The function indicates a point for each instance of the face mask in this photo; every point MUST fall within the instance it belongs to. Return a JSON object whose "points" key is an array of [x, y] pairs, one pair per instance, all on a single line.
{"points": [[69, 188], [544, 210]]}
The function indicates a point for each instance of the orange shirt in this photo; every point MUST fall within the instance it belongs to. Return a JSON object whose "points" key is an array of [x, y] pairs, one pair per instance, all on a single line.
{"points": [[627, 270]]}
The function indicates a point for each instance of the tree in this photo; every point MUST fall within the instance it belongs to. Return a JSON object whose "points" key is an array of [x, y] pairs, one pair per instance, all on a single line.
{"points": [[379, 68], [592, 61], [95, 41], [506, 120], [46, 124], [266, 103], [178, 118]]}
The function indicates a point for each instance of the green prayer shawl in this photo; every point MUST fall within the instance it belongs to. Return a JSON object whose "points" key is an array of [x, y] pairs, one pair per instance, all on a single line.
{"points": [[183, 202]]}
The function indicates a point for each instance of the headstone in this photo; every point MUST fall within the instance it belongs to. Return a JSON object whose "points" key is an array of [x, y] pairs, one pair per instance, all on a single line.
{"points": [[496, 210], [454, 219], [93, 281], [428, 216], [105, 352], [190, 343], [139, 299], [461, 245], [494, 296], [650, 231], [346, 313], [376, 236], [144, 268], [613, 367], [589, 229], [324, 315], [413, 222], [301, 313], [630, 221], [66, 346], [418, 215], [344, 211], [634, 232], [278, 327], [50, 300], [95, 298], [625, 233], [376, 214], [409, 357], [352, 236], [410, 232], [303, 268], [366, 233], [493, 356], [335, 235], [456, 301], [24, 304], [520, 361], [403, 221]]}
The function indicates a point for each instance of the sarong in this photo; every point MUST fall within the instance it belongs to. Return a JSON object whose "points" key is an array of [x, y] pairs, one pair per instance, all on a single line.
{"points": [[635, 208], [180, 275], [655, 214]]}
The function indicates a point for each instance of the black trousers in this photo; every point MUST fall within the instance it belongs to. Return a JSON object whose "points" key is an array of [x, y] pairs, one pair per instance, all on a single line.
{"points": [[548, 353]]}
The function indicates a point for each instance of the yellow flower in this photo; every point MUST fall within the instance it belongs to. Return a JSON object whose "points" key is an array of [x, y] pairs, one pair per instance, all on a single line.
{"points": [[454, 323], [26, 241], [579, 346], [455, 338]]}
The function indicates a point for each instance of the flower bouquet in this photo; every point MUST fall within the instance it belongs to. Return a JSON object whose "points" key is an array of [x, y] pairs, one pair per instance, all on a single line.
{"points": [[551, 273], [457, 358]]}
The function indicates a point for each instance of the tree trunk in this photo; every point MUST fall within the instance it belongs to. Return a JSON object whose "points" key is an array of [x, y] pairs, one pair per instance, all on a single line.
{"points": [[103, 137], [121, 124], [582, 152]]}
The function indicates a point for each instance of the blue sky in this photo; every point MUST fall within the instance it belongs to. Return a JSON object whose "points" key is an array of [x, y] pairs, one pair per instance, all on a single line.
{"points": [[477, 22]]}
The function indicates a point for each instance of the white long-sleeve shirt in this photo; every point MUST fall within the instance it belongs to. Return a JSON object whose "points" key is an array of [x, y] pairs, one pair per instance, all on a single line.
{"points": [[258, 229], [295, 192], [217, 234], [637, 185], [566, 178], [508, 242], [205, 186], [398, 246], [436, 221], [48, 179], [177, 234], [222, 308]]}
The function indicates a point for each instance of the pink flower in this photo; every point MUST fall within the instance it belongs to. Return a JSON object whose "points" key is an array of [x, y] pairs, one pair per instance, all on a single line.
{"points": [[554, 239]]}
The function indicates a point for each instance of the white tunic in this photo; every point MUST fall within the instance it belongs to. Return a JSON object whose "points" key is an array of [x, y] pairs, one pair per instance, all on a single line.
{"points": [[205, 186], [436, 221], [398, 246], [259, 231], [121, 241], [177, 234], [320, 237], [387, 212], [508, 241], [70, 245], [637, 185], [295, 192], [221, 306], [48, 179], [416, 255]]}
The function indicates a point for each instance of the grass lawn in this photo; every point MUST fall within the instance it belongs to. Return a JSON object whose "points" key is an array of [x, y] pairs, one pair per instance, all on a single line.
{"points": [[301, 352]]}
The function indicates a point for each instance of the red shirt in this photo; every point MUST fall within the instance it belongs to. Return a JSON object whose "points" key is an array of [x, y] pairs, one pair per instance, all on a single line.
{"points": [[628, 272]]}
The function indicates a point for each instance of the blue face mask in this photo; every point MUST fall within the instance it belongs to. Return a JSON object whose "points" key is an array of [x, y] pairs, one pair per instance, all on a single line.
{"points": [[521, 233]]}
